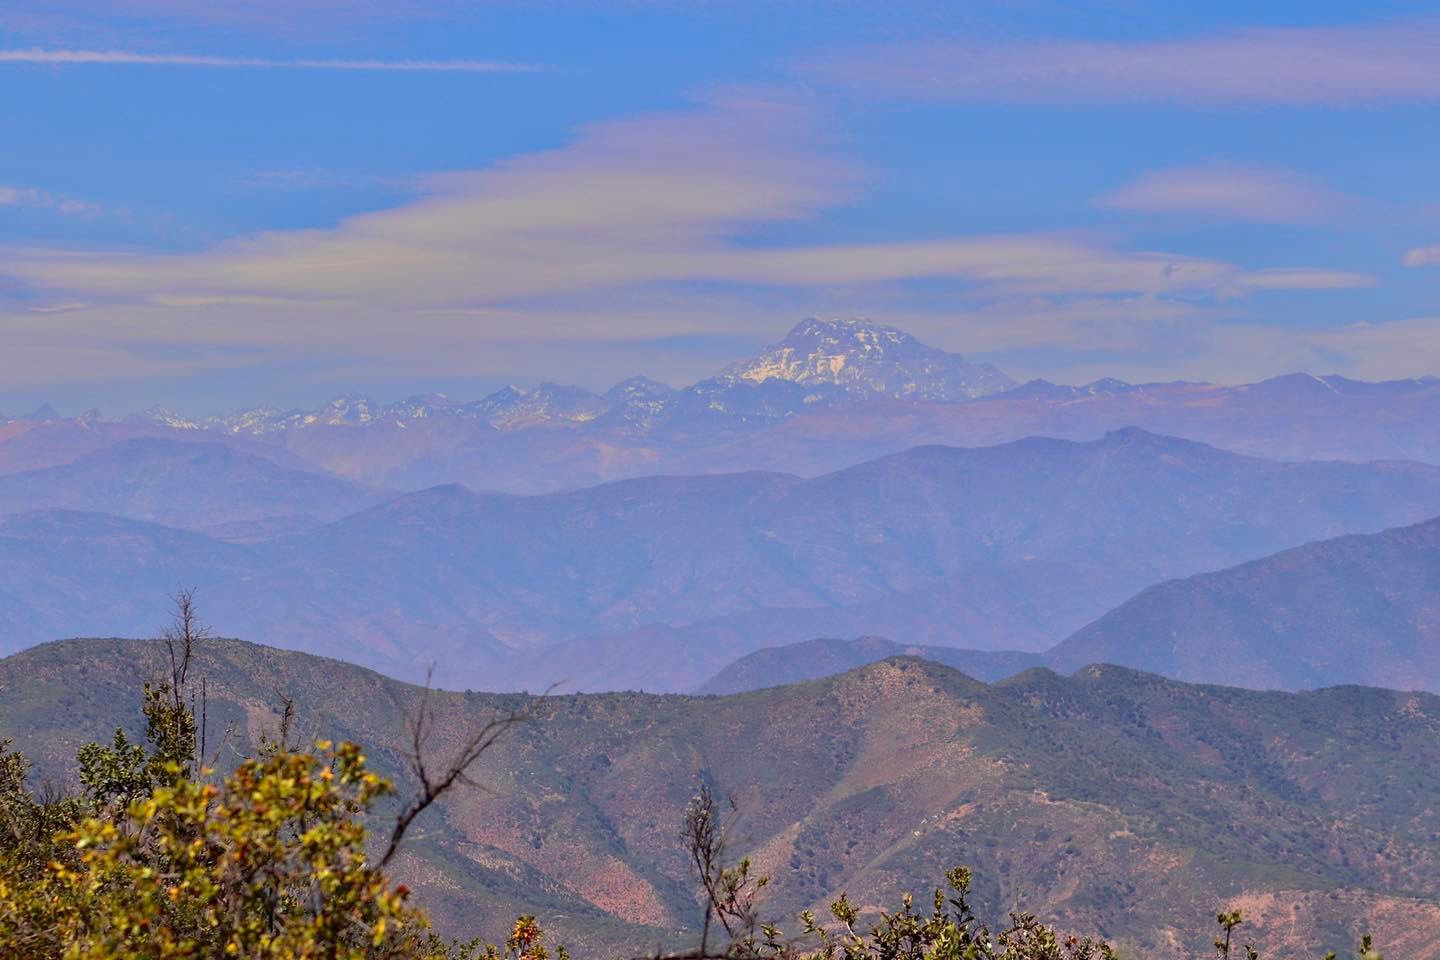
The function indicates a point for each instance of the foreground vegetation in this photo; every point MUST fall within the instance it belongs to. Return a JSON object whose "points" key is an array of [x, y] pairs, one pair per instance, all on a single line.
{"points": [[156, 856]]}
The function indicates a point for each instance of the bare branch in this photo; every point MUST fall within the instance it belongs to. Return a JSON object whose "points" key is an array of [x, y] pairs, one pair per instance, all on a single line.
{"points": [[436, 782], [730, 892], [185, 630], [287, 717]]}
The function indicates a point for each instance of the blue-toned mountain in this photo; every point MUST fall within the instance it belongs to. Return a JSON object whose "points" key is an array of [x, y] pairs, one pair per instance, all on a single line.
{"points": [[830, 394], [659, 582], [869, 360], [1360, 608], [194, 484]]}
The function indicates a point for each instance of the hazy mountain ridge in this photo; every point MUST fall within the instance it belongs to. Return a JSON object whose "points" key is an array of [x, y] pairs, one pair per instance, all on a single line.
{"points": [[1362, 608], [1355, 608], [662, 578], [660, 582], [829, 395], [1111, 801], [856, 359], [194, 485], [826, 656]]}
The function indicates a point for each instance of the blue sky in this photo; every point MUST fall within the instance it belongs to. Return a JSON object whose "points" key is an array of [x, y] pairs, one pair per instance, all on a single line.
{"points": [[277, 201]]}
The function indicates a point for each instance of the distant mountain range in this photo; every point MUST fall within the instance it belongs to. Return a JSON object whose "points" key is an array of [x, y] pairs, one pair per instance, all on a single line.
{"points": [[1363, 608], [1111, 801], [840, 509], [829, 395], [1353, 609], [820, 362], [658, 583], [203, 486], [357, 530]]}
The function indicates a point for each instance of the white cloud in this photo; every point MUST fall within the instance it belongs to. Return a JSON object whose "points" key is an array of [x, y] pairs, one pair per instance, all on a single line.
{"points": [[1427, 256], [1392, 62], [655, 200], [267, 13], [132, 58], [1371, 351], [30, 197], [637, 230], [1303, 278], [19, 196], [1228, 192], [1194, 344]]}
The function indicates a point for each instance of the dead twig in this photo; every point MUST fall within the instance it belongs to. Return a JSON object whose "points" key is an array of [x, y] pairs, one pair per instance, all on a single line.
{"points": [[437, 782]]}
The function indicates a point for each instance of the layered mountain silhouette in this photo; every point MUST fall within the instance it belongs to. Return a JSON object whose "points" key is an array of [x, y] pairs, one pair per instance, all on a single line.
{"points": [[826, 656], [1110, 801], [830, 394], [658, 583], [377, 532], [734, 538], [1353, 609], [818, 363], [194, 485]]}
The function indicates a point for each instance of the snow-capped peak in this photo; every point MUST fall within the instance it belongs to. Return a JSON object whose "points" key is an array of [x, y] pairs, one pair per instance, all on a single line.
{"points": [[869, 358], [168, 418], [350, 408], [639, 387], [511, 407]]}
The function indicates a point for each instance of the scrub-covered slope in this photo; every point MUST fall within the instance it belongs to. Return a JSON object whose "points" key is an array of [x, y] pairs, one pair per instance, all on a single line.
{"points": [[1111, 801]]}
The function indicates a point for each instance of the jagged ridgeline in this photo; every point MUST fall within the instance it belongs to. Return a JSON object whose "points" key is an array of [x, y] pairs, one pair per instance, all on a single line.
{"points": [[846, 480], [1109, 802], [827, 395]]}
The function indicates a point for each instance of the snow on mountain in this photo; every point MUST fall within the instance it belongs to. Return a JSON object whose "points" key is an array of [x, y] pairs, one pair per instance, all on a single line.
{"points": [[513, 408], [351, 409], [345, 410], [422, 407], [165, 417], [870, 359], [819, 363], [639, 391], [257, 421], [1045, 390], [639, 401]]}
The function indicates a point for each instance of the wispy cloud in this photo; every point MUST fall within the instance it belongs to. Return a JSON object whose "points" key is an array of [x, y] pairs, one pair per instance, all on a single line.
{"points": [[35, 55], [1303, 278], [1373, 351], [276, 13], [1229, 192], [639, 229], [655, 200], [1392, 62], [1239, 352], [30, 197], [320, 178], [1427, 256], [21, 196]]}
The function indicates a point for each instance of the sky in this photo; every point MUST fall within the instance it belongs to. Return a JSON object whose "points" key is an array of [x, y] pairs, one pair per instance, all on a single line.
{"points": [[209, 206]]}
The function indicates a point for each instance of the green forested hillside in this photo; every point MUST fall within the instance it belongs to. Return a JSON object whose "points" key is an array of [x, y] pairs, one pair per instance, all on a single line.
{"points": [[1111, 802]]}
